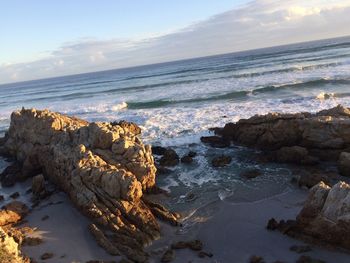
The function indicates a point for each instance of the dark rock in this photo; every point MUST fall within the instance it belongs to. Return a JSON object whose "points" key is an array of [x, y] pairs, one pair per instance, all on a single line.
{"points": [[168, 256], [300, 249], [190, 197], [32, 241], [46, 256], [344, 164], [44, 218], [251, 173], [38, 186], [170, 158], [187, 159], [11, 175], [215, 141], [307, 259], [272, 224], [256, 259], [15, 195], [310, 179], [203, 254], [109, 261], [221, 161], [295, 154], [161, 170], [192, 154], [195, 245], [2, 198], [158, 150]]}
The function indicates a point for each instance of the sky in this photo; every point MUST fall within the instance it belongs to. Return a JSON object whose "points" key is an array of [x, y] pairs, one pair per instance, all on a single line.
{"points": [[44, 38]]}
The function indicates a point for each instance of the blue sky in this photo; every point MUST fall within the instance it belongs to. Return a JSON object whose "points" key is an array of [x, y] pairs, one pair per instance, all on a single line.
{"points": [[41, 39], [44, 25]]}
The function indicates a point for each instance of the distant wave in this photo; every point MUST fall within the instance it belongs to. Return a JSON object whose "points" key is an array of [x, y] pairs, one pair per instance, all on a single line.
{"points": [[119, 107], [241, 95]]}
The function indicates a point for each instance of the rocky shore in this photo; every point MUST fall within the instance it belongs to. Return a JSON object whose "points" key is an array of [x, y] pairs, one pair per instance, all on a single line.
{"points": [[110, 176]]}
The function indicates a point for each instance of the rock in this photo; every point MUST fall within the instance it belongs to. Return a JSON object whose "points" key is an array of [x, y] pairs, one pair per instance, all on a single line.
{"points": [[310, 179], [32, 241], [13, 213], [215, 141], [169, 158], [11, 175], [300, 249], [168, 256], [103, 167], [344, 164], [110, 261], [187, 159], [195, 245], [192, 154], [323, 135], [9, 249], [38, 185], [158, 150], [324, 218], [161, 170], [46, 256], [272, 224], [256, 259], [203, 254], [221, 161], [44, 218], [2, 198], [14, 195], [307, 259], [251, 173]]}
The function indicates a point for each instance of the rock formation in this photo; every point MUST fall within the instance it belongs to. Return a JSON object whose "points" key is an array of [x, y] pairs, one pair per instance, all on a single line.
{"points": [[103, 167], [324, 218], [301, 138]]}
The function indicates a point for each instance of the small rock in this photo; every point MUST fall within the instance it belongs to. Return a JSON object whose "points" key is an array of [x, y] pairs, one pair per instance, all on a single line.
{"points": [[161, 170], [203, 254], [11, 175], [158, 150], [38, 185], [195, 245], [272, 224], [44, 218], [32, 241], [251, 173], [190, 197], [256, 259], [215, 141], [300, 249], [170, 158], [192, 154], [15, 195], [187, 159], [221, 161], [46, 256], [168, 256], [307, 259], [2, 198]]}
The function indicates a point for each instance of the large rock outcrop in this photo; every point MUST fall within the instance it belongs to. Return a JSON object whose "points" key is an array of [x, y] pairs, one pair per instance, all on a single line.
{"points": [[302, 138], [103, 167], [324, 218]]}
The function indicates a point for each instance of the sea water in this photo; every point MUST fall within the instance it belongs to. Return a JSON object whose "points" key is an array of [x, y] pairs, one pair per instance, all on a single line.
{"points": [[175, 103]]}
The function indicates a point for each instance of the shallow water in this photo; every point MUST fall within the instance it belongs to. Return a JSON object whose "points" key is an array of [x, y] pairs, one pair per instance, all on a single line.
{"points": [[175, 103]]}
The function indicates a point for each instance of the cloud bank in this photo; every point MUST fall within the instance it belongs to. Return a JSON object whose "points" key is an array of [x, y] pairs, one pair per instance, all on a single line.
{"points": [[260, 23]]}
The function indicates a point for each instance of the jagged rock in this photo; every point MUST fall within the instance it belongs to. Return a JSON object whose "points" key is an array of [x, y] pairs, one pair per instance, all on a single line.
{"points": [[221, 161], [294, 154], [310, 179], [169, 158], [9, 249], [38, 185], [103, 167], [325, 216], [215, 141], [13, 213], [324, 135], [14, 195]]}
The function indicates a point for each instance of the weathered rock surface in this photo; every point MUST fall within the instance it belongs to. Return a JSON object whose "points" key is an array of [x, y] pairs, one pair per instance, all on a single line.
{"points": [[103, 167], [324, 219], [9, 249], [221, 161], [301, 138]]}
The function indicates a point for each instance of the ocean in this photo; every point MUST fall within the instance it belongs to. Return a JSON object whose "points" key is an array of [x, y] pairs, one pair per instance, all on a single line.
{"points": [[175, 103]]}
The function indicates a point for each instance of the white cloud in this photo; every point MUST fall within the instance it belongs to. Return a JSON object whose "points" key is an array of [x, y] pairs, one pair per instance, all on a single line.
{"points": [[260, 23]]}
